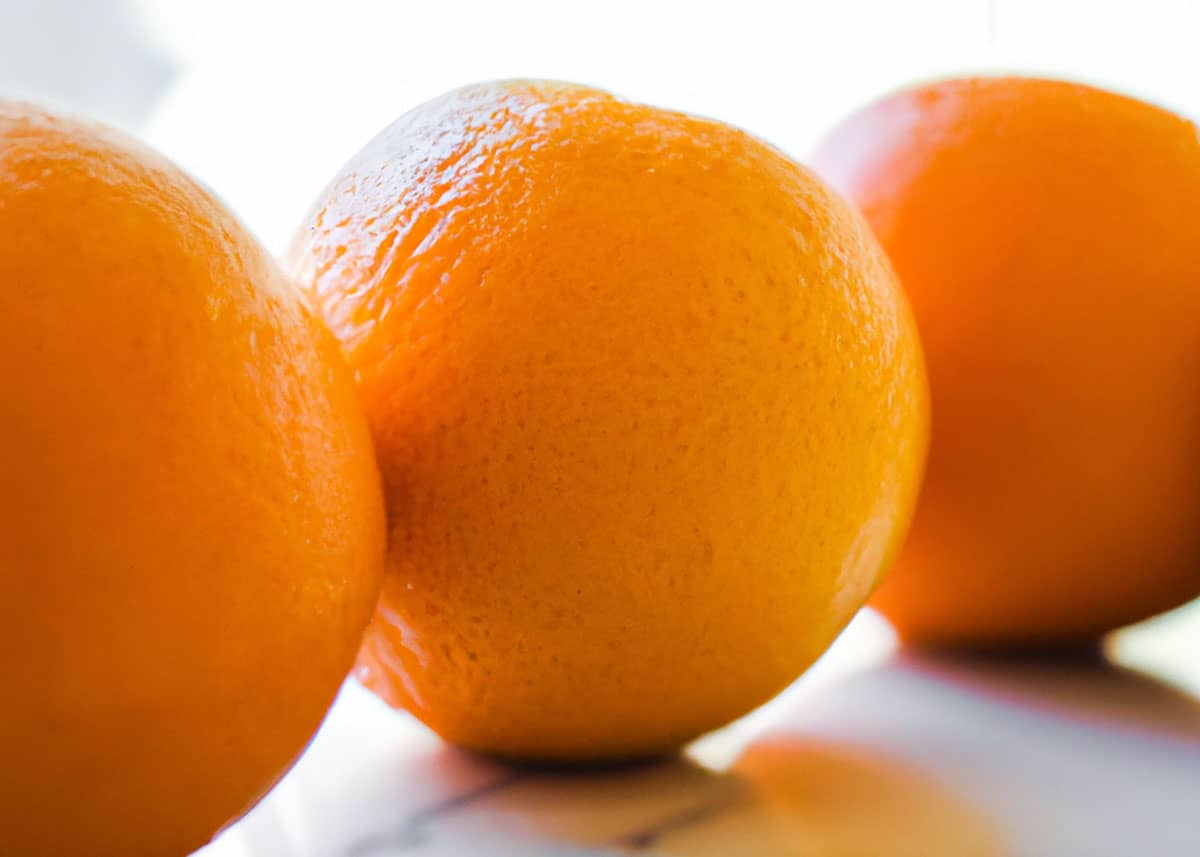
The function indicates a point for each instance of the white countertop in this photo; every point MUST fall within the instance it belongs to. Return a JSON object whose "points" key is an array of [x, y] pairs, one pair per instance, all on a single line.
{"points": [[873, 752]]}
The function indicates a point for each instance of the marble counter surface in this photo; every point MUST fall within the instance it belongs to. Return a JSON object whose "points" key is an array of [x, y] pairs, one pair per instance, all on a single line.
{"points": [[874, 752]]}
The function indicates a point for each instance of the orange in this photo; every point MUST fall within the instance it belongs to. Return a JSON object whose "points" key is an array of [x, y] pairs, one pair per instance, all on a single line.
{"points": [[191, 522], [649, 406], [1048, 235]]}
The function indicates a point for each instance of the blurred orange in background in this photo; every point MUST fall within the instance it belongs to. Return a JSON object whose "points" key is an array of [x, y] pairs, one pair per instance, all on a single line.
{"points": [[1048, 236]]}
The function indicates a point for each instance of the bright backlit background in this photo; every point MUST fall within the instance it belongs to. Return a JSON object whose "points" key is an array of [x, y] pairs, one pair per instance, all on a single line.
{"points": [[263, 99]]}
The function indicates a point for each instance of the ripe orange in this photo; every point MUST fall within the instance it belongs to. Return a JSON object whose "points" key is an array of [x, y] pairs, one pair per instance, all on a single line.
{"points": [[190, 515], [649, 406], [1048, 235]]}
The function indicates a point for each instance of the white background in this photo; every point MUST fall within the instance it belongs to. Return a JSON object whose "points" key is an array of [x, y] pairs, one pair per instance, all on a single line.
{"points": [[263, 99]]}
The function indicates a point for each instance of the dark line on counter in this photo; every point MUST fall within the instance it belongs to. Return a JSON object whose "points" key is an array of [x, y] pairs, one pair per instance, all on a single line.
{"points": [[647, 838], [412, 833]]}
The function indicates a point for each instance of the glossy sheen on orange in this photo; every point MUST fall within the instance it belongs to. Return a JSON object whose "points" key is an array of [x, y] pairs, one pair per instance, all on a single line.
{"points": [[649, 406], [190, 517], [1048, 235]]}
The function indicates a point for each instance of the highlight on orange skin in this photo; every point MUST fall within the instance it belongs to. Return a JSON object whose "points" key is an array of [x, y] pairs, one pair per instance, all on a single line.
{"points": [[191, 523], [649, 406], [1046, 234]]}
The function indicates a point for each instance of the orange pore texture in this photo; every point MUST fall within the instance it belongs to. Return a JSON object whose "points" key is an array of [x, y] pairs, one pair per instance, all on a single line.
{"points": [[1048, 236], [649, 406], [191, 525]]}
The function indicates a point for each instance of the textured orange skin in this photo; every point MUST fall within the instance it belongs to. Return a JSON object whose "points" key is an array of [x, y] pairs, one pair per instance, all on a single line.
{"points": [[649, 406], [1048, 235], [191, 525]]}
